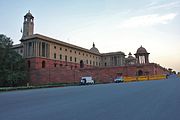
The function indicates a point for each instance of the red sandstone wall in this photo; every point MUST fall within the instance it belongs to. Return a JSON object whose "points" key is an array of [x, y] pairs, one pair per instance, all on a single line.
{"points": [[68, 73], [45, 76], [36, 63], [160, 70]]}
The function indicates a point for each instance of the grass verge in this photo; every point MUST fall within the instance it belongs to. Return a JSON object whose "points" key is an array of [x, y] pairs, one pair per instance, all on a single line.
{"points": [[50, 85]]}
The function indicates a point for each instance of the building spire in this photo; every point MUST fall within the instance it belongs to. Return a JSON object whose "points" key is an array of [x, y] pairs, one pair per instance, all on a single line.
{"points": [[93, 44]]}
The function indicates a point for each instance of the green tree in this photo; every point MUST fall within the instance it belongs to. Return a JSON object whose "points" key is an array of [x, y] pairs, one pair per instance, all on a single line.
{"points": [[12, 65]]}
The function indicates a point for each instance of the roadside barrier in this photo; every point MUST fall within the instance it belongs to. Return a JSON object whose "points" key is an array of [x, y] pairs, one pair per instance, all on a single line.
{"points": [[130, 79], [144, 78]]}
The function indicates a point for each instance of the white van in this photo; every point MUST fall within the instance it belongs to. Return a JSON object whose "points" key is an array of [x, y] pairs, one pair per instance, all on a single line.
{"points": [[86, 80], [119, 79]]}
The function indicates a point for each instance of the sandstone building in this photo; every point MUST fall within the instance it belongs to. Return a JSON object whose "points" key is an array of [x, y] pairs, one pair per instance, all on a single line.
{"points": [[60, 53], [52, 60]]}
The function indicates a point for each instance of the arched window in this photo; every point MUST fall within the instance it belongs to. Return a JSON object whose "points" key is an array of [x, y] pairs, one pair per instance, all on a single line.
{"points": [[43, 64], [140, 73], [55, 64], [29, 64], [105, 64], [81, 64]]}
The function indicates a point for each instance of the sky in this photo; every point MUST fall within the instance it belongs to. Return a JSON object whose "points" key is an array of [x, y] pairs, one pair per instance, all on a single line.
{"points": [[113, 25]]}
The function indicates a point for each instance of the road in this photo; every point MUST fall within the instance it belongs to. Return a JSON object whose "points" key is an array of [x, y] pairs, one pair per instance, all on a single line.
{"points": [[148, 100]]}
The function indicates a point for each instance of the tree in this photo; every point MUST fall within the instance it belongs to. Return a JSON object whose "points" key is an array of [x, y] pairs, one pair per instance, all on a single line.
{"points": [[170, 70], [174, 72], [12, 65]]}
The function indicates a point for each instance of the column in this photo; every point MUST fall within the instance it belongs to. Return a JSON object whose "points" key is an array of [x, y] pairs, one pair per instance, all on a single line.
{"points": [[37, 49], [24, 49], [27, 49], [45, 49], [33, 48], [48, 50]]}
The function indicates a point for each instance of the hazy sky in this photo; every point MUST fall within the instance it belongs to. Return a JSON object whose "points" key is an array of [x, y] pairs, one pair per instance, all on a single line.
{"points": [[114, 25]]}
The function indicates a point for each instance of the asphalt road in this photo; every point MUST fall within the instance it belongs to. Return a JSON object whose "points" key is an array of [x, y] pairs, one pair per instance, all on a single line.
{"points": [[149, 100]]}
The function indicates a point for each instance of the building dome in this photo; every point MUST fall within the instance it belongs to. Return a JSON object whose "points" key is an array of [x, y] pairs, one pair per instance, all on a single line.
{"points": [[141, 50], [130, 57], [130, 60], [94, 49]]}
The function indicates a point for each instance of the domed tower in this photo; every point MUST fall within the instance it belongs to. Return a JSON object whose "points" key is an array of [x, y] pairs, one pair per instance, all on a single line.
{"points": [[28, 25], [94, 49], [142, 55], [130, 60]]}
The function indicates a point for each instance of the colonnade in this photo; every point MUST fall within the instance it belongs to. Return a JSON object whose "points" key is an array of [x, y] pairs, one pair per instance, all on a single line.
{"points": [[36, 49]]}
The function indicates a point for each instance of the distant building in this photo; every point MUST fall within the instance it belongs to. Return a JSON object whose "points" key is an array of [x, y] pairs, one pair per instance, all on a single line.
{"points": [[44, 55]]}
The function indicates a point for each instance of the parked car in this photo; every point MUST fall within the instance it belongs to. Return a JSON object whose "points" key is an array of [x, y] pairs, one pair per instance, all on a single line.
{"points": [[86, 80], [118, 79]]}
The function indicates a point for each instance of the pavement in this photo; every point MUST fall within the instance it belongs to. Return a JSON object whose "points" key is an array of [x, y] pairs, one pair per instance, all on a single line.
{"points": [[148, 100]]}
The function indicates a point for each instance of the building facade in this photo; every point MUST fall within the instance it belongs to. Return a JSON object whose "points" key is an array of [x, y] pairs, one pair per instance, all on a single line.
{"points": [[51, 60], [54, 53]]}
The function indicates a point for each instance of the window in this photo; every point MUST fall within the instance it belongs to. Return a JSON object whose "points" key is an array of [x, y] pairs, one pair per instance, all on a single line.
{"points": [[29, 64], [87, 55], [87, 61], [65, 49], [83, 54], [70, 50], [75, 52], [55, 64], [60, 48], [70, 58], [65, 57], [75, 60], [43, 64], [81, 64], [54, 47], [43, 49], [60, 65], [105, 64], [60, 57], [79, 53], [54, 55], [30, 49], [90, 62]]}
